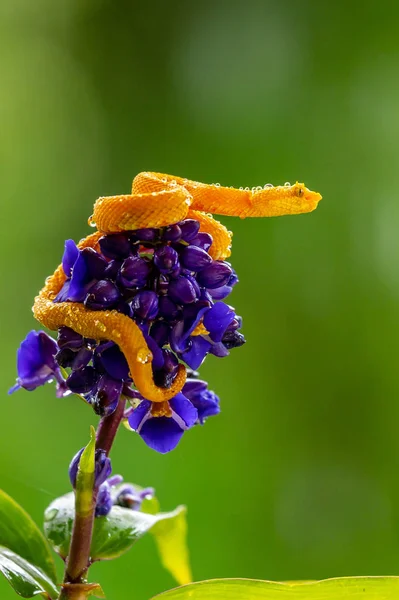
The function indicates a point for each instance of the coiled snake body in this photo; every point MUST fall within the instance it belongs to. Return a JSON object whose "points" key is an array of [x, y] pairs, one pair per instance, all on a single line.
{"points": [[158, 200]]}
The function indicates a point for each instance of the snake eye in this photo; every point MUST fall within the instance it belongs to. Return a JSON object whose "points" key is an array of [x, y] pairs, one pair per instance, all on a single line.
{"points": [[300, 192]]}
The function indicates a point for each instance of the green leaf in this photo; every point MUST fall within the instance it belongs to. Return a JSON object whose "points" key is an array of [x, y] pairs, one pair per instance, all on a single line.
{"points": [[26, 579], [113, 535], [348, 588], [19, 533], [171, 538]]}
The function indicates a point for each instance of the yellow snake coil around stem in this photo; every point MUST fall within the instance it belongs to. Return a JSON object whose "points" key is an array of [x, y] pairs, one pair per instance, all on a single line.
{"points": [[158, 200]]}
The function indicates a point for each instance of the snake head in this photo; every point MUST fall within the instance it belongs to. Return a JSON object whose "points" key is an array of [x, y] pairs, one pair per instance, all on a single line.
{"points": [[283, 200], [304, 200]]}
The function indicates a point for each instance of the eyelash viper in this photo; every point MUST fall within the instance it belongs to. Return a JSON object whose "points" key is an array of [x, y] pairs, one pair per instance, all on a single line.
{"points": [[159, 200]]}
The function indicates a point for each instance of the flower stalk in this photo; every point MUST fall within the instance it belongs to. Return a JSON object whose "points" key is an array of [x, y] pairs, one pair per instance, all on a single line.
{"points": [[78, 561]]}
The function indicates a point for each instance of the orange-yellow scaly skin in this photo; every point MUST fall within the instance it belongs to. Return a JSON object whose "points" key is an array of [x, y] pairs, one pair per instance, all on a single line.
{"points": [[158, 200]]}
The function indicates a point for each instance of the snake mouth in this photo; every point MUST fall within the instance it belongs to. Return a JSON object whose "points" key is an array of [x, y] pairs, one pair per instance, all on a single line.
{"points": [[312, 199]]}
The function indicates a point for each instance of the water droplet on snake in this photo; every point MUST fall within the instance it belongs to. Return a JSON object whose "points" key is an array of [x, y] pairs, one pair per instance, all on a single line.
{"points": [[144, 356]]}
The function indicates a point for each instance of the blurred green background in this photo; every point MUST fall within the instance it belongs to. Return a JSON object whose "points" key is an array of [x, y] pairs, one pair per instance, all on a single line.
{"points": [[298, 477]]}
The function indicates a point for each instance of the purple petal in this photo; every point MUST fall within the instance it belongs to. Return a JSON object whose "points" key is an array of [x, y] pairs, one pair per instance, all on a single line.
{"points": [[36, 363], [221, 293], [104, 501], [81, 358], [178, 341], [195, 355], [219, 350], [217, 319], [71, 253], [95, 263], [184, 409], [139, 413], [204, 400], [82, 381], [80, 280], [192, 315], [161, 434]]}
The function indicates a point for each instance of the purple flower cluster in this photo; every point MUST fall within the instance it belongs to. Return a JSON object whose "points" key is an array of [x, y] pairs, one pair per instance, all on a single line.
{"points": [[167, 282], [110, 492]]}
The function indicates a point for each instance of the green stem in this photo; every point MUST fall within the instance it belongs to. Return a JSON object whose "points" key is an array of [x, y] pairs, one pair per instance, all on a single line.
{"points": [[78, 561]]}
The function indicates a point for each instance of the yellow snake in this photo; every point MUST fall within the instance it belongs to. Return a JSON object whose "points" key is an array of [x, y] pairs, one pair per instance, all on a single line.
{"points": [[158, 200]]}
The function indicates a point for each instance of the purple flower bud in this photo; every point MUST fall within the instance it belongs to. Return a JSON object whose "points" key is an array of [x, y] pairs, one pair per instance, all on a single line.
{"points": [[112, 270], [68, 338], [161, 284], [203, 240], [233, 339], [102, 468], [125, 309], [166, 259], [81, 359], [65, 357], [104, 294], [108, 391], [82, 381], [168, 309], [134, 272], [95, 263], [112, 360], [176, 272], [172, 233], [189, 229], [194, 258], [104, 501], [165, 376], [182, 291], [116, 245], [131, 497], [215, 275], [145, 305], [160, 333], [150, 234]]}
